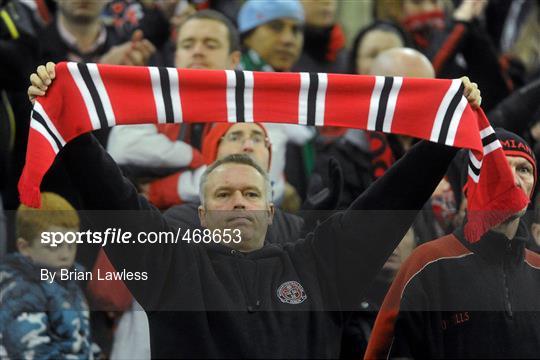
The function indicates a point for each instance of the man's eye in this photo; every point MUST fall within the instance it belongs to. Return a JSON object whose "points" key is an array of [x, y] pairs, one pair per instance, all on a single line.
{"points": [[276, 26], [221, 195], [525, 170], [257, 139], [212, 44], [298, 29], [186, 45], [252, 194]]}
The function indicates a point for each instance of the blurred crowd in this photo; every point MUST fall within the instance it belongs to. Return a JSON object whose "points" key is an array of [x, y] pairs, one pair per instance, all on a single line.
{"points": [[313, 171]]}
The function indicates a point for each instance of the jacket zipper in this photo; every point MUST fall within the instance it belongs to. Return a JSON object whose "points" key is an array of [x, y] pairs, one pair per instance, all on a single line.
{"points": [[252, 303], [508, 304]]}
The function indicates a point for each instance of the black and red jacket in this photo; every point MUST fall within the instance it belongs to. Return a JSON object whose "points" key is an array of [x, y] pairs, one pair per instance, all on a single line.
{"points": [[453, 299]]}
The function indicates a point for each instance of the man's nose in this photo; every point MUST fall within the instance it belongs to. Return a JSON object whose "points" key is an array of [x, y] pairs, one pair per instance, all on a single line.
{"points": [[287, 35], [198, 49], [239, 202], [63, 253], [247, 145]]}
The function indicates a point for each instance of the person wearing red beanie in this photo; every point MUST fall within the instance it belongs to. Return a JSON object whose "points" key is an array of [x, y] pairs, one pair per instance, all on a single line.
{"points": [[220, 140], [224, 139]]}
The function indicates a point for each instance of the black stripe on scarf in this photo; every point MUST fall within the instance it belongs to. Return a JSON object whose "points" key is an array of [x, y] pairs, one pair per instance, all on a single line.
{"points": [[312, 98], [383, 102], [449, 113], [239, 95], [83, 69], [36, 116], [489, 139], [473, 168], [166, 91]]}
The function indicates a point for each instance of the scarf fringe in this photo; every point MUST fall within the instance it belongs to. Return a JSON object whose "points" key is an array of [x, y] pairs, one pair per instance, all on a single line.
{"points": [[481, 221], [30, 195]]}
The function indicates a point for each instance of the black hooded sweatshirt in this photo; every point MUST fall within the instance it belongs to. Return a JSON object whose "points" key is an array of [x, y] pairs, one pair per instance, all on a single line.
{"points": [[281, 301]]}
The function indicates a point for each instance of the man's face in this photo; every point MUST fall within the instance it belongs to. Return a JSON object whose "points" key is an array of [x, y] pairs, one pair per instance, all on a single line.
{"points": [[523, 173], [81, 11], [373, 44], [278, 43], [235, 198], [523, 178], [204, 44], [320, 13], [246, 139], [58, 257]]}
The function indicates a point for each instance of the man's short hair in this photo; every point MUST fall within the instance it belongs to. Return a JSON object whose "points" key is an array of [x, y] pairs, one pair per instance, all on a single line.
{"points": [[234, 38], [54, 211], [235, 159]]}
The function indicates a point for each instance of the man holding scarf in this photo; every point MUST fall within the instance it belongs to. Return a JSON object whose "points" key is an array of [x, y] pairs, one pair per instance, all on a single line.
{"points": [[248, 299]]}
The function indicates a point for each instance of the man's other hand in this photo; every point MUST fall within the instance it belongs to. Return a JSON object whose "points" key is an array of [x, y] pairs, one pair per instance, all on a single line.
{"points": [[41, 80], [471, 92]]}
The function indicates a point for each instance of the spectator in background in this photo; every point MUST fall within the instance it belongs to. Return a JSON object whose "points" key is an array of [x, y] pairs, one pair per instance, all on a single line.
{"points": [[371, 41], [78, 33], [151, 17], [514, 27], [324, 40], [454, 41], [456, 299], [43, 318], [206, 40], [272, 34]]}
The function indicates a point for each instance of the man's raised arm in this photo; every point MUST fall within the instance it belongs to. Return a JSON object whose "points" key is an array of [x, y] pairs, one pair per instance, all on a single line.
{"points": [[109, 201], [357, 243]]}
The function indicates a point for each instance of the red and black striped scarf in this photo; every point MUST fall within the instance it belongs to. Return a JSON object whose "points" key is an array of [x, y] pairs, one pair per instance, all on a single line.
{"points": [[86, 97]]}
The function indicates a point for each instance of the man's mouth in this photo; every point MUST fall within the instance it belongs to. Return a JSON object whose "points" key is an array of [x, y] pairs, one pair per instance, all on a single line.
{"points": [[284, 54], [240, 220], [198, 66]]}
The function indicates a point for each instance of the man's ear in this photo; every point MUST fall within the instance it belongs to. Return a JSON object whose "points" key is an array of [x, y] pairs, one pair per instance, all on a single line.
{"points": [[535, 230], [22, 246], [234, 58], [271, 211], [202, 215]]}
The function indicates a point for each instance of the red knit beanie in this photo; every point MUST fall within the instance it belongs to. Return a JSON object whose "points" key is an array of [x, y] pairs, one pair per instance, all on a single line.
{"points": [[212, 138]]}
